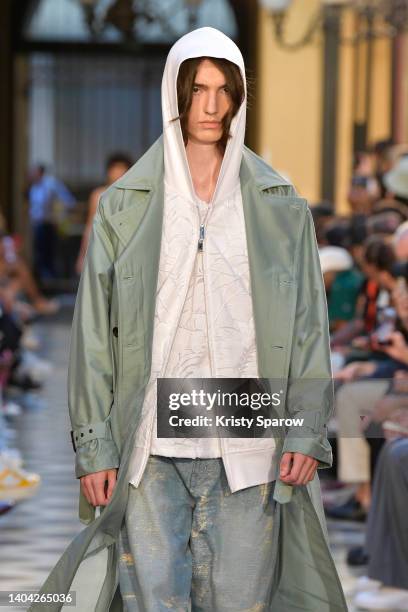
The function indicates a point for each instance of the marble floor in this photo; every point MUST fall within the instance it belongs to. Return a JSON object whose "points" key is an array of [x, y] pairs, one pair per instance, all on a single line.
{"points": [[35, 533]]}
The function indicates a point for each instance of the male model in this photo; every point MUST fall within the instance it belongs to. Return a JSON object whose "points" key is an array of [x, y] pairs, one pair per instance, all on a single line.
{"points": [[202, 263]]}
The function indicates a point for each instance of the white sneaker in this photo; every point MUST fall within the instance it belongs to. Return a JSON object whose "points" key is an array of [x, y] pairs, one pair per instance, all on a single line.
{"points": [[386, 599], [30, 341], [363, 583], [16, 484], [11, 409], [11, 456], [35, 367]]}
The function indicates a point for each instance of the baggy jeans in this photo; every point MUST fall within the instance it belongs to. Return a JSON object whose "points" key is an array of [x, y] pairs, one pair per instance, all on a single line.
{"points": [[188, 541]]}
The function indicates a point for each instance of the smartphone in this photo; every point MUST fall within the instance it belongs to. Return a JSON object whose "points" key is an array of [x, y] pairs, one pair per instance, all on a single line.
{"points": [[359, 181], [386, 327]]}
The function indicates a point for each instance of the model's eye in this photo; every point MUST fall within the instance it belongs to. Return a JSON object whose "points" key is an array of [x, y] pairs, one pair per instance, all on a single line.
{"points": [[226, 89], [196, 89]]}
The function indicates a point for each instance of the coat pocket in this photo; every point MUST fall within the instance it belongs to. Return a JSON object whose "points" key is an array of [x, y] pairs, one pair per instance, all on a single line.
{"points": [[132, 324], [284, 288]]}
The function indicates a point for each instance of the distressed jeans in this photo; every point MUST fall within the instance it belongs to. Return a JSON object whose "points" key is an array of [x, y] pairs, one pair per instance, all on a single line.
{"points": [[188, 543]]}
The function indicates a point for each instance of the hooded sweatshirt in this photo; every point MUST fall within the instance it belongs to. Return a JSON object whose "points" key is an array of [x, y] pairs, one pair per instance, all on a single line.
{"points": [[204, 324]]}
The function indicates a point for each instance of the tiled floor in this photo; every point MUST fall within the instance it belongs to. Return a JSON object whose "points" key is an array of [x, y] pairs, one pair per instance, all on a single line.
{"points": [[35, 533]]}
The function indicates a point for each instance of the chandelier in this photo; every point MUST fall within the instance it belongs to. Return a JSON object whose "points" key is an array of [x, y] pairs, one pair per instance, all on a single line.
{"points": [[392, 14]]}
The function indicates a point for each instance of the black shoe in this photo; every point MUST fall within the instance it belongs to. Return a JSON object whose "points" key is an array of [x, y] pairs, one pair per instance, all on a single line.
{"points": [[352, 510], [23, 382], [5, 507], [357, 556]]}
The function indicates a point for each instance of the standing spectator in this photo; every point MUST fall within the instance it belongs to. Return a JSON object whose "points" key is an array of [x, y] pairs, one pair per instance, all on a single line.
{"points": [[382, 151], [44, 189], [116, 166], [396, 180]]}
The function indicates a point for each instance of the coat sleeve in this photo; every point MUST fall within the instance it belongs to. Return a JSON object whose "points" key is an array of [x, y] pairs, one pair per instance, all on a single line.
{"points": [[90, 373], [310, 392]]}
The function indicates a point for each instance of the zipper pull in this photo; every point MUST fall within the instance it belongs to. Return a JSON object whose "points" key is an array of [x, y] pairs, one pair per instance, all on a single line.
{"points": [[201, 239]]}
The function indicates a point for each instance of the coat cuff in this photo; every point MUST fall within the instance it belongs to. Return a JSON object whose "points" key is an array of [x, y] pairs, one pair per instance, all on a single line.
{"points": [[95, 448], [309, 438], [317, 447]]}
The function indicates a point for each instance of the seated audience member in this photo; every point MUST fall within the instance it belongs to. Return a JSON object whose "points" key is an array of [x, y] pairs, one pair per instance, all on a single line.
{"points": [[19, 279], [387, 539], [386, 547], [396, 184], [396, 181], [342, 282], [366, 383], [322, 213], [15, 483], [353, 339]]}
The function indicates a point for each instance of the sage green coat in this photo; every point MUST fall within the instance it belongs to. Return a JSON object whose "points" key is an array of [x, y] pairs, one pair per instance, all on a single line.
{"points": [[110, 361]]}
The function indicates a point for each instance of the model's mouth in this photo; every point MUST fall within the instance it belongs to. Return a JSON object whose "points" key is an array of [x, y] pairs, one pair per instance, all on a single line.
{"points": [[210, 124]]}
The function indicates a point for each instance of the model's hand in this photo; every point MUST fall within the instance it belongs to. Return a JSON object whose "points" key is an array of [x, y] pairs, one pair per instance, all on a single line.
{"points": [[98, 487], [297, 469]]}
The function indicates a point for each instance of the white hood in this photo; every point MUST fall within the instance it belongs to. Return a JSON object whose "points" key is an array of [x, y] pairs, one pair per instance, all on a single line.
{"points": [[207, 42]]}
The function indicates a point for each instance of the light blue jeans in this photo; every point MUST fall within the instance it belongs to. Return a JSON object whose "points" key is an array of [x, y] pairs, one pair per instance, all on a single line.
{"points": [[187, 541]]}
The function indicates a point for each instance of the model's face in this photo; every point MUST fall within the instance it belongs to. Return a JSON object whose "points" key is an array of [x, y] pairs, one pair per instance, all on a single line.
{"points": [[211, 101]]}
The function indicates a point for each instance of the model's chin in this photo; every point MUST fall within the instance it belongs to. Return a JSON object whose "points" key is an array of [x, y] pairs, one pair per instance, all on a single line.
{"points": [[209, 136]]}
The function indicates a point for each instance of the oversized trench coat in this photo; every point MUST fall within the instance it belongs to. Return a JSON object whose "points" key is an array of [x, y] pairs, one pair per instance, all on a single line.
{"points": [[110, 361]]}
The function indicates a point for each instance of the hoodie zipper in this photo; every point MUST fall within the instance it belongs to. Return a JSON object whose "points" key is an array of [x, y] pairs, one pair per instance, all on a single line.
{"points": [[206, 301], [201, 238], [166, 360]]}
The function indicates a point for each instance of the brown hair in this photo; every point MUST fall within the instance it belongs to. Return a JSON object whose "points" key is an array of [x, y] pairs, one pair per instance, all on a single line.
{"points": [[185, 81], [379, 252]]}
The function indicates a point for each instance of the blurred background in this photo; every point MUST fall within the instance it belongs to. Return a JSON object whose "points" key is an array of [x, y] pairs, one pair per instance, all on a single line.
{"points": [[79, 104]]}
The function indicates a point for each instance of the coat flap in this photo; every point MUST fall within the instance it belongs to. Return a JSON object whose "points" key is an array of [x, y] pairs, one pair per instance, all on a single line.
{"points": [[126, 222]]}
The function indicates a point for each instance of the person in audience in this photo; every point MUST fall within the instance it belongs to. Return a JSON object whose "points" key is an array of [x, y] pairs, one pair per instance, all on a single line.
{"points": [[44, 190], [116, 165], [364, 189], [16, 272], [353, 339], [396, 183], [386, 547], [383, 162], [322, 213], [366, 382], [342, 282]]}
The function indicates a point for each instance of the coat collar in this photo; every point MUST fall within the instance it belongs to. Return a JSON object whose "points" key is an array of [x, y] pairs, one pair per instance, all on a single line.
{"points": [[149, 169]]}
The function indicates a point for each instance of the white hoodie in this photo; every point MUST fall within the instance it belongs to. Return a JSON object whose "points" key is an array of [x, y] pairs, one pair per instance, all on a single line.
{"points": [[204, 325]]}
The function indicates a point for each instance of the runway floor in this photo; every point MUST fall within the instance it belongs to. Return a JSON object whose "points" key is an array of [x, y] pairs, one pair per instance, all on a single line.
{"points": [[35, 533]]}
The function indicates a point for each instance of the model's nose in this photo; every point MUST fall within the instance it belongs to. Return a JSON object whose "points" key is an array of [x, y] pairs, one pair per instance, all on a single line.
{"points": [[211, 103]]}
